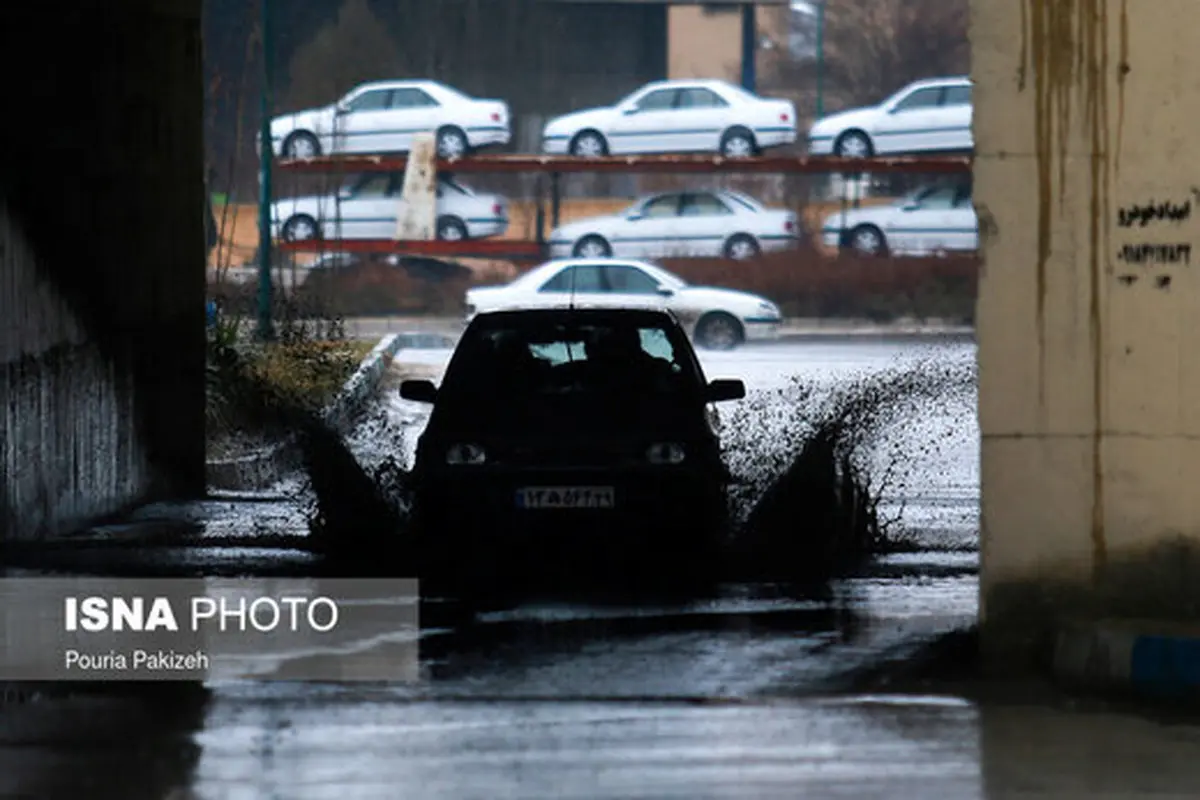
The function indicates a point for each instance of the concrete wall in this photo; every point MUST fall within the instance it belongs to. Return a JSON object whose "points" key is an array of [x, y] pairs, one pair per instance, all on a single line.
{"points": [[101, 261], [1089, 312], [706, 41]]}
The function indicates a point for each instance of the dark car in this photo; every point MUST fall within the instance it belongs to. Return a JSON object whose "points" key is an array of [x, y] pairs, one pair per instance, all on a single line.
{"points": [[570, 438]]}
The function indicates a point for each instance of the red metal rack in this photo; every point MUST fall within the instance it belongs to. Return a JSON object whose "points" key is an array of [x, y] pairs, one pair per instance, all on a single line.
{"points": [[644, 164]]}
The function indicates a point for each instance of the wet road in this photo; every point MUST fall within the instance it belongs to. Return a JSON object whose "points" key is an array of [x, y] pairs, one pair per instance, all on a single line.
{"points": [[738, 695]]}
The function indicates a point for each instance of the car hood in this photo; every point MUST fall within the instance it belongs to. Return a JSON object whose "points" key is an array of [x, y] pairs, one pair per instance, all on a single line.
{"points": [[592, 117], [836, 123], [709, 297], [307, 119]]}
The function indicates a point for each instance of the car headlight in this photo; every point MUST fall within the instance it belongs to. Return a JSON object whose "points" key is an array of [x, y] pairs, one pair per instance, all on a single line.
{"points": [[465, 454], [665, 453], [769, 309]]}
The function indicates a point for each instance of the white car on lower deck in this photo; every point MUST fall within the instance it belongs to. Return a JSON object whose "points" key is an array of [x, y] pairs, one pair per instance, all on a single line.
{"points": [[929, 116], [934, 219], [384, 116], [716, 318], [368, 207], [691, 223], [682, 116]]}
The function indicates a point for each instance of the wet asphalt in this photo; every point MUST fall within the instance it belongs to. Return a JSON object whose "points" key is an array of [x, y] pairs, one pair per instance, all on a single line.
{"points": [[742, 693]]}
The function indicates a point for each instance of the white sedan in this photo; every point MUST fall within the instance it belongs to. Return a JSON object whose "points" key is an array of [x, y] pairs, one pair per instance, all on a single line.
{"points": [[721, 223], [707, 116], [932, 220], [930, 116], [368, 207], [383, 117], [718, 319]]}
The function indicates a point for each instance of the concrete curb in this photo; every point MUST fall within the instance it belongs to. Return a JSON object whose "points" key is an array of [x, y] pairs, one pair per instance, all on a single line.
{"points": [[262, 469], [1130, 657]]}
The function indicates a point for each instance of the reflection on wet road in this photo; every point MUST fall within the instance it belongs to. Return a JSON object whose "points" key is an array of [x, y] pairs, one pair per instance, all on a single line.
{"points": [[728, 696]]}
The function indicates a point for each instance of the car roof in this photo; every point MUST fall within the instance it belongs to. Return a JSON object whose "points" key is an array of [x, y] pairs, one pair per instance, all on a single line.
{"points": [[943, 81], [409, 83], [557, 316]]}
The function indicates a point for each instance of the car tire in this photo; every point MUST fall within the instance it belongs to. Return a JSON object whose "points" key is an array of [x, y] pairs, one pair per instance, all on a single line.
{"points": [[867, 240], [588, 144], [738, 143], [301, 144], [452, 143], [592, 246], [451, 229], [742, 247], [854, 144], [300, 228], [718, 330]]}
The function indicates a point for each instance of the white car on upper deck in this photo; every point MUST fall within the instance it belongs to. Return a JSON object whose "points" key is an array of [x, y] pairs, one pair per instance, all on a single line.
{"points": [[383, 117], [368, 207], [929, 116], [681, 116], [719, 319], [690, 223]]}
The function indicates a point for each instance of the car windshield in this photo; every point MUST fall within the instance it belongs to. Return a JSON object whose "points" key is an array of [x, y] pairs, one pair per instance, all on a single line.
{"points": [[454, 185], [444, 89], [744, 200], [531, 373], [738, 91]]}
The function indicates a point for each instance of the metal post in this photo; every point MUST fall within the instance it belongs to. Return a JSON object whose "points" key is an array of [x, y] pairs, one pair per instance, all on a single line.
{"points": [[749, 46], [555, 198], [820, 58], [266, 154]]}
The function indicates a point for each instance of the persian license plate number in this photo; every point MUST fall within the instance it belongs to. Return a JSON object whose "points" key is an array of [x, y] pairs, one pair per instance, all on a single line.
{"points": [[538, 497]]}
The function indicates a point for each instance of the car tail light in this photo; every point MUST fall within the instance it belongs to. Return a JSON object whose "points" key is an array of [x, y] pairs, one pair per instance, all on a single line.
{"points": [[789, 226], [665, 453], [497, 209], [783, 117], [495, 116]]}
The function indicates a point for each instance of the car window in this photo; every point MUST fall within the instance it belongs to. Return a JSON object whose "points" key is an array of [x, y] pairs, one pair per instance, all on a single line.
{"points": [[665, 206], [539, 359], [921, 98], [629, 280], [412, 98], [371, 100], [702, 205], [582, 278], [962, 197], [941, 197], [658, 100], [372, 186], [957, 96], [700, 98]]}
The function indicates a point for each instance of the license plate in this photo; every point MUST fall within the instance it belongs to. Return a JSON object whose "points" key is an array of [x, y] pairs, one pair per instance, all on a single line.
{"points": [[566, 497]]}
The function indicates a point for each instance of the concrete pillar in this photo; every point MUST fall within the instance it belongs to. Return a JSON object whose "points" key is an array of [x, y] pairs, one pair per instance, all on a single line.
{"points": [[417, 218], [102, 254], [1089, 313]]}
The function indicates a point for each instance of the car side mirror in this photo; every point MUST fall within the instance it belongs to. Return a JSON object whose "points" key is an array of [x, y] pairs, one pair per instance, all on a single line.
{"points": [[725, 389], [666, 292], [629, 110], [634, 216], [419, 391], [910, 206], [341, 108]]}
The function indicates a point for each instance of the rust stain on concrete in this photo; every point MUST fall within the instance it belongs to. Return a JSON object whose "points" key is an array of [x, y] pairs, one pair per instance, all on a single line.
{"points": [[1068, 43]]}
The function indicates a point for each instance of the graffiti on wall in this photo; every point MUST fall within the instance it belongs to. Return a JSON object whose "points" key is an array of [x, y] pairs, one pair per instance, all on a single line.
{"points": [[1154, 253]]}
